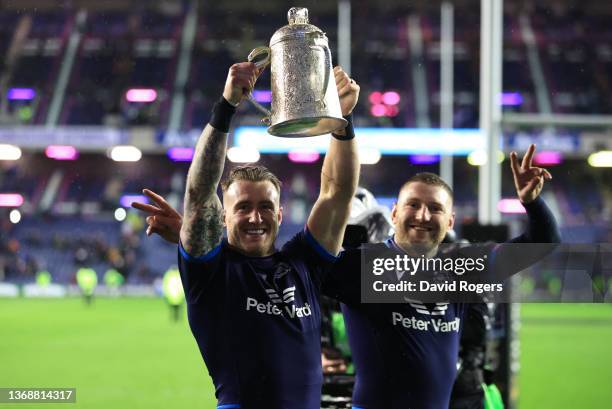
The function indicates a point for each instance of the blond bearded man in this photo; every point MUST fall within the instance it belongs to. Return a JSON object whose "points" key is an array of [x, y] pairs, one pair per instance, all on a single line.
{"points": [[253, 309]]}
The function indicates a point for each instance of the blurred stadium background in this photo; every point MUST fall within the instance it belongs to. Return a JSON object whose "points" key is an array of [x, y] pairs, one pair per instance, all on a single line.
{"points": [[79, 78]]}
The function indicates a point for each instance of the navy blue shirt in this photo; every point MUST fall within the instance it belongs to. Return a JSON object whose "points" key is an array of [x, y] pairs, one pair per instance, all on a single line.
{"points": [[257, 322], [405, 355]]}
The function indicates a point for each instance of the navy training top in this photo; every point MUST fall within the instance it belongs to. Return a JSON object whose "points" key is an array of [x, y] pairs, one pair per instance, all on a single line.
{"points": [[257, 322], [405, 355]]}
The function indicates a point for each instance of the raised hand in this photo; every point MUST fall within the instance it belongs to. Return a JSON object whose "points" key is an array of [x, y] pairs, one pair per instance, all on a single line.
{"points": [[528, 180], [241, 79], [162, 218], [348, 91]]}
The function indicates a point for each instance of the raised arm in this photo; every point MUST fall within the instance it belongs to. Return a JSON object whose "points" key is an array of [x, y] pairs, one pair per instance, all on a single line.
{"points": [[542, 230], [202, 228], [339, 176], [529, 182], [528, 179]]}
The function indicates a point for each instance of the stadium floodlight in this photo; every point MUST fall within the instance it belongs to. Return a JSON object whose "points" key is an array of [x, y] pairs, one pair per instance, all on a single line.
{"points": [[510, 206], [141, 95], [180, 154], [548, 158], [10, 200], [601, 159], [61, 152], [391, 98], [262, 96], [15, 216], [126, 200], [511, 99], [303, 156], [424, 159], [120, 214], [391, 110], [20, 94], [375, 98], [125, 153], [243, 155], [9, 152], [378, 110], [384, 103], [369, 156], [479, 157], [389, 141]]}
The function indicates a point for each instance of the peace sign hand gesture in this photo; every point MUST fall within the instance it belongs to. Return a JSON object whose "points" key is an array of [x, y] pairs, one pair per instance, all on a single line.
{"points": [[528, 180], [162, 218]]}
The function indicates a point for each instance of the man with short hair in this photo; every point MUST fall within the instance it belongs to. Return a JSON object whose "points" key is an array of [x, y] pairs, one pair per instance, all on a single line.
{"points": [[254, 310], [423, 213], [405, 355]]}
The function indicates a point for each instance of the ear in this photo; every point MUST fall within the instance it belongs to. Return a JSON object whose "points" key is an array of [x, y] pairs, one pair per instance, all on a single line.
{"points": [[224, 218], [394, 214], [451, 221], [280, 215]]}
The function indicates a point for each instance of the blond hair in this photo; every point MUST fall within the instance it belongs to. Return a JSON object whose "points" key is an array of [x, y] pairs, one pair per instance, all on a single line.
{"points": [[251, 173]]}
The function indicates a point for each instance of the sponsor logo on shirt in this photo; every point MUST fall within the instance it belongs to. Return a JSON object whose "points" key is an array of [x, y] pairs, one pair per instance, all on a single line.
{"points": [[279, 304], [433, 324], [288, 295], [439, 308]]}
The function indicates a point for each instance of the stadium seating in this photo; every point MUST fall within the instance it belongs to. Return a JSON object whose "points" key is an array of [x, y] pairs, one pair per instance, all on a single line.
{"points": [[118, 48]]}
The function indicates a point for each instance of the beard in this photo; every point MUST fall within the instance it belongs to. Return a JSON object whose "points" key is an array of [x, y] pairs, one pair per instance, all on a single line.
{"points": [[419, 243], [423, 248]]}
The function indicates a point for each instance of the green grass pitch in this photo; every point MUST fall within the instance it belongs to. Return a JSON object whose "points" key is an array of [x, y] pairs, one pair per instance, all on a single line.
{"points": [[566, 356], [126, 353], [118, 353]]}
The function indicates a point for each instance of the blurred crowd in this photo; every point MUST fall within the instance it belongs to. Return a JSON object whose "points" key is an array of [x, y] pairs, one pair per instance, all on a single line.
{"points": [[63, 252], [118, 47]]}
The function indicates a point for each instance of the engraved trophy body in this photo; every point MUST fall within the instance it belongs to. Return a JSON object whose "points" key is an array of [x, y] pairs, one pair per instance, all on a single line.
{"points": [[304, 97]]}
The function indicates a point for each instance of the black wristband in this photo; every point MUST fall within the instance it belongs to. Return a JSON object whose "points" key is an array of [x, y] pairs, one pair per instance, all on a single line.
{"points": [[222, 114], [350, 132]]}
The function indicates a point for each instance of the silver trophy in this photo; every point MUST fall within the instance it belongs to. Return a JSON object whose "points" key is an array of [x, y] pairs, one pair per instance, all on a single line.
{"points": [[304, 96]]}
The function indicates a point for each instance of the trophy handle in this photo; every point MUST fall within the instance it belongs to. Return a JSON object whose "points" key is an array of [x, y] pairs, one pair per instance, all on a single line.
{"points": [[260, 56], [328, 61]]}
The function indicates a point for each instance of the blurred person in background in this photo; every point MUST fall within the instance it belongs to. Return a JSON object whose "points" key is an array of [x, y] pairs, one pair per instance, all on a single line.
{"points": [[87, 280], [113, 280], [173, 292]]}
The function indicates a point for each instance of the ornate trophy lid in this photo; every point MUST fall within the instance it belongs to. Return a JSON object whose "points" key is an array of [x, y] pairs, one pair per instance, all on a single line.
{"points": [[298, 26]]}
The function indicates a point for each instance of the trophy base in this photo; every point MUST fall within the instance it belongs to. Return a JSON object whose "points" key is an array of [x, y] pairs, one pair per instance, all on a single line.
{"points": [[303, 127]]}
